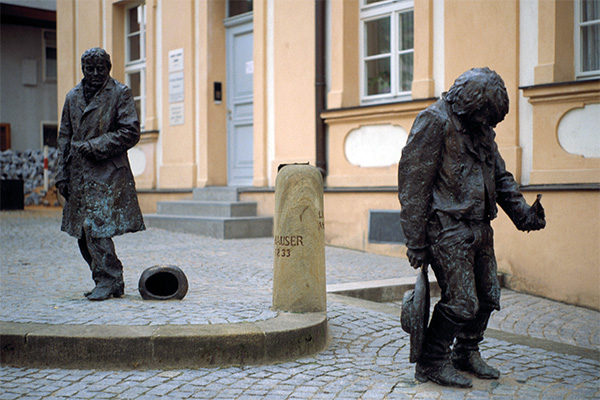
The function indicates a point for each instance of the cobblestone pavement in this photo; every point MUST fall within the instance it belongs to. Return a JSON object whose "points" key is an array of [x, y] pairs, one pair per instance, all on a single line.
{"points": [[43, 278], [51, 275], [544, 319]]}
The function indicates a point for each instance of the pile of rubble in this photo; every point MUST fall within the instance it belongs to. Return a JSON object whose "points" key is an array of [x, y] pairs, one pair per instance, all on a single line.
{"points": [[28, 165]]}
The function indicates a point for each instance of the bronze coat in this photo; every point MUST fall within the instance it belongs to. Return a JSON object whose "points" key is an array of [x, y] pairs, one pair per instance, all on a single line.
{"points": [[446, 169], [102, 192]]}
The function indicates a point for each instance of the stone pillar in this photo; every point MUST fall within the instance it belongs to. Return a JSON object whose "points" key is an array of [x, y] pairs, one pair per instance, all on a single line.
{"points": [[299, 266]]}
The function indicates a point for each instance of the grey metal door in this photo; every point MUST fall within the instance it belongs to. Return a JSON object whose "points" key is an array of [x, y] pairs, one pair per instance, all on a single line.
{"points": [[240, 73]]}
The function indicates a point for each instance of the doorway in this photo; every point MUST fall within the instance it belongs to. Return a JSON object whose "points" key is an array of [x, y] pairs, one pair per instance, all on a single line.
{"points": [[240, 73]]}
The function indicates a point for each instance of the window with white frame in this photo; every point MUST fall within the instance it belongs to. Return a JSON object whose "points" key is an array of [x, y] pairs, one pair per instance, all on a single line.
{"points": [[587, 38], [386, 50], [135, 56]]}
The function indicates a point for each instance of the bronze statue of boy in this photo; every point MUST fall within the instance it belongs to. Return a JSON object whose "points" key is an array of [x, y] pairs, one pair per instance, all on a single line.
{"points": [[450, 178], [99, 124]]}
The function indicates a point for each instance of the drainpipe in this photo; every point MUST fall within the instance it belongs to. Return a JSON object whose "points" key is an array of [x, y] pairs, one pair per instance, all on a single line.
{"points": [[320, 87]]}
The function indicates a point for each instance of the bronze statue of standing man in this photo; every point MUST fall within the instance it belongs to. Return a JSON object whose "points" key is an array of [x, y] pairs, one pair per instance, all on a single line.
{"points": [[99, 124], [450, 178]]}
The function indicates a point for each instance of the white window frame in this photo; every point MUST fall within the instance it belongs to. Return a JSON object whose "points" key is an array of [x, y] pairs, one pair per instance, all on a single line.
{"points": [[138, 65], [46, 43], [370, 12], [579, 73]]}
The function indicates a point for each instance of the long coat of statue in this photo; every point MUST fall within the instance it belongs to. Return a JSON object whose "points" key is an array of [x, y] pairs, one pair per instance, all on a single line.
{"points": [[101, 186]]}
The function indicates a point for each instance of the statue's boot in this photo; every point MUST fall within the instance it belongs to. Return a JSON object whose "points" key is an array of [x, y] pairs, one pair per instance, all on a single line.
{"points": [[104, 291], [107, 287], [118, 291], [434, 363], [108, 277], [85, 253], [465, 354]]}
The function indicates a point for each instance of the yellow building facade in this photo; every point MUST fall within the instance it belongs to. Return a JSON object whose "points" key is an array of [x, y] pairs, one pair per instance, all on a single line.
{"points": [[229, 90]]}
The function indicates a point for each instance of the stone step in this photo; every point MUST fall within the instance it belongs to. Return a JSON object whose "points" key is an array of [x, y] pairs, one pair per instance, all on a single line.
{"points": [[207, 208], [216, 193], [216, 227]]}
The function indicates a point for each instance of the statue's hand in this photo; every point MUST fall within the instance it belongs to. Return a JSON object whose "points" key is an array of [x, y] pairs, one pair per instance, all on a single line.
{"points": [[418, 258], [63, 189], [535, 218], [84, 148]]}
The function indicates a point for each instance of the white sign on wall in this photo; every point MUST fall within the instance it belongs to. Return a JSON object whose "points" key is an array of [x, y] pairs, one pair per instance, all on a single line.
{"points": [[176, 87], [176, 60], [176, 115]]}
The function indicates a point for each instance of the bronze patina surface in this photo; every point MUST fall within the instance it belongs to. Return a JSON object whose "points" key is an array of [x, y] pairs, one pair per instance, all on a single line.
{"points": [[99, 124], [451, 177]]}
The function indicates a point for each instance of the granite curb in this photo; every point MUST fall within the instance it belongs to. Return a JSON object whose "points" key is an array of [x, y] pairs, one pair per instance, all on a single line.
{"points": [[381, 291], [287, 336], [389, 290]]}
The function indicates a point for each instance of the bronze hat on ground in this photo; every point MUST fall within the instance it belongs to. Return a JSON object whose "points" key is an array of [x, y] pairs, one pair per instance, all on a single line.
{"points": [[163, 282]]}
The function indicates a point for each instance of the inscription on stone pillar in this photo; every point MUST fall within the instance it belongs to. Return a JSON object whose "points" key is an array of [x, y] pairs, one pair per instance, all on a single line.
{"points": [[299, 241]]}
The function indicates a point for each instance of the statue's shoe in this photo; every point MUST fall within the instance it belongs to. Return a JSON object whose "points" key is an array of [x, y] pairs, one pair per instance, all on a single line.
{"points": [[104, 292], [472, 362], [118, 292], [444, 374]]}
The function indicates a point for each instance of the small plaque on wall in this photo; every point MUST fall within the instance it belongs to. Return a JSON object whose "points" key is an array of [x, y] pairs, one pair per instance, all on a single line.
{"points": [[176, 114], [176, 87], [176, 60]]}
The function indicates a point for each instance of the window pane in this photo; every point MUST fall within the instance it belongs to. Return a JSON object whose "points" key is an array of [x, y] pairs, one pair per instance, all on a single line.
{"points": [[405, 28], [590, 10], [406, 72], [237, 7], [135, 83], [138, 108], [377, 36], [50, 63], [590, 48], [132, 19], [134, 48], [50, 135], [378, 76]]}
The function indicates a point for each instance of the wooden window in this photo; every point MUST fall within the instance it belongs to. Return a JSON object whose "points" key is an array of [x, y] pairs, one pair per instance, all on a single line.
{"points": [[135, 56], [587, 38], [387, 48]]}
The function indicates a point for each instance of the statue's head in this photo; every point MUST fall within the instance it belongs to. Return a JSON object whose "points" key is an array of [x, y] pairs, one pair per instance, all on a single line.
{"points": [[96, 65], [479, 96]]}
